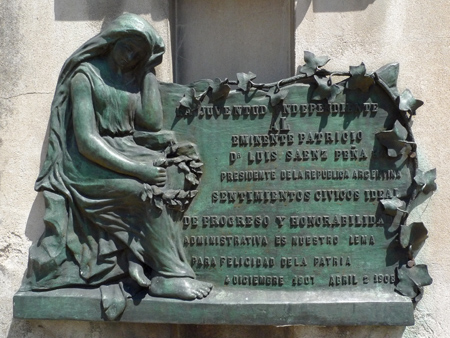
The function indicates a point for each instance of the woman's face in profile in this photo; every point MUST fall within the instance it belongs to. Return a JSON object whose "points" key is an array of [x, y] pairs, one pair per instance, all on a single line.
{"points": [[127, 52]]}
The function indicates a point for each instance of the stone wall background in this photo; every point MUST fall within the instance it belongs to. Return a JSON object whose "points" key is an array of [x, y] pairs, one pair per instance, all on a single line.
{"points": [[36, 37]]}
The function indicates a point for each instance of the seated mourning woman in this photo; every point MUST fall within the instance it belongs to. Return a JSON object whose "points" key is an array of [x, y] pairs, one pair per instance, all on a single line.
{"points": [[111, 178]]}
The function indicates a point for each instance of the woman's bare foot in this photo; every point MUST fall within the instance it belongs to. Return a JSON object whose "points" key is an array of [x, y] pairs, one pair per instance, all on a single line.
{"points": [[137, 274], [181, 287]]}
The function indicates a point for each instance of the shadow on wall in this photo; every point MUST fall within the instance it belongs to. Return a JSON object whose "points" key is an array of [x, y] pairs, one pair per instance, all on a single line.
{"points": [[35, 223], [322, 6], [85, 10], [107, 10], [340, 5]]}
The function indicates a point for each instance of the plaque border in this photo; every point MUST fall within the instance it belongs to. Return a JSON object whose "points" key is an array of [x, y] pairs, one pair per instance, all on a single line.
{"points": [[239, 307]]}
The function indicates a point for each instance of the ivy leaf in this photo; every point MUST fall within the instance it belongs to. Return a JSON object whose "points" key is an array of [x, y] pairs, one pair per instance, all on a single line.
{"points": [[170, 194], [419, 274], [189, 101], [313, 63], [195, 164], [144, 196], [244, 80], [411, 280], [359, 79], [158, 202], [325, 89], [184, 167], [407, 102], [192, 179], [192, 193], [182, 194], [197, 171], [387, 76], [413, 236], [156, 191], [426, 180], [218, 89], [147, 193], [276, 95], [395, 140], [179, 159], [185, 149], [392, 205], [406, 285]]}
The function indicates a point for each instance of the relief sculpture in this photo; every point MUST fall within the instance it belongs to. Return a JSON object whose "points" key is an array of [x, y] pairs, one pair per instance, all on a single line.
{"points": [[297, 199], [115, 184]]}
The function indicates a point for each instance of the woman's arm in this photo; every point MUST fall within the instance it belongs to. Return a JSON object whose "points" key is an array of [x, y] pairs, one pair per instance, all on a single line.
{"points": [[92, 146], [150, 117]]}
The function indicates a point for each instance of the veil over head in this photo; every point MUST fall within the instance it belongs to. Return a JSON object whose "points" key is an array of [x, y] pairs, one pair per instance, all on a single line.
{"points": [[125, 25], [104, 228]]}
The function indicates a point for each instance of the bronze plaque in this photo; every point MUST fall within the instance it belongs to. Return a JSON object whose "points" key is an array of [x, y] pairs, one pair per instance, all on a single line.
{"points": [[226, 202], [306, 187]]}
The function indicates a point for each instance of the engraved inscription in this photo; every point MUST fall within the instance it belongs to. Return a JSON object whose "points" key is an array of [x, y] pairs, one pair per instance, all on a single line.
{"points": [[255, 280], [293, 204], [343, 280], [230, 240]]}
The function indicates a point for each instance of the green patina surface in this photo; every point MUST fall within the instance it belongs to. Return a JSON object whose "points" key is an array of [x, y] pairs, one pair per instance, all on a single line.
{"points": [[232, 307], [300, 204], [289, 198]]}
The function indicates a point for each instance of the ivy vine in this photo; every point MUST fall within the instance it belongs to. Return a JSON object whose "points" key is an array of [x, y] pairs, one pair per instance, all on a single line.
{"points": [[397, 141]]}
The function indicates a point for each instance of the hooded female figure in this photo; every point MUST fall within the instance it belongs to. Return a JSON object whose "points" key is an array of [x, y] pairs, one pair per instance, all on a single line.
{"points": [[100, 227]]}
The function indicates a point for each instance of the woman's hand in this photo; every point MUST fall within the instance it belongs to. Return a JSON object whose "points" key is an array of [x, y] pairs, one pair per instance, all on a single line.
{"points": [[150, 116], [152, 175]]}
